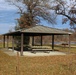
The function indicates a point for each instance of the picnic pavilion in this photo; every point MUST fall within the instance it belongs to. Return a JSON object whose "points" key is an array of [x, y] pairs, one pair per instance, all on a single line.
{"points": [[38, 30]]}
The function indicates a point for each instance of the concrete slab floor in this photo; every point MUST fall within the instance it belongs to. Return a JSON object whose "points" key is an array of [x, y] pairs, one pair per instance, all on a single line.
{"points": [[30, 53]]}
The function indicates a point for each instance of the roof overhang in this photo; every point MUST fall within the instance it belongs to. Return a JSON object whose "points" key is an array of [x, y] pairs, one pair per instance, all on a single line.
{"points": [[38, 30]]}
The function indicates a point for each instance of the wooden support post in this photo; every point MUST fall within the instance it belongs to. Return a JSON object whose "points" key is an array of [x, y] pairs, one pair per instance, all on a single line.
{"points": [[7, 41], [21, 44], [52, 42], [41, 40], [4, 41], [12, 43], [32, 40], [69, 43]]}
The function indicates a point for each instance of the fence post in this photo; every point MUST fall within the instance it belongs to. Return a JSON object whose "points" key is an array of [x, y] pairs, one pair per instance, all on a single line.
{"points": [[17, 67]]}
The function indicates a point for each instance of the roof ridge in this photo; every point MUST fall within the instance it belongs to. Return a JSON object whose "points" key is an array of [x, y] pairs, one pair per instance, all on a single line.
{"points": [[52, 27], [55, 28], [43, 26]]}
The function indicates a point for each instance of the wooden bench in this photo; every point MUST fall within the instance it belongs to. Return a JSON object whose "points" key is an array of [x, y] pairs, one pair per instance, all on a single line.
{"points": [[45, 49]]}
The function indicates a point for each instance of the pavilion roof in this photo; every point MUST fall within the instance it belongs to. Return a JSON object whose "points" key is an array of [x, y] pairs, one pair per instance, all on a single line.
{"points": [[44, 29], [40, 29]]}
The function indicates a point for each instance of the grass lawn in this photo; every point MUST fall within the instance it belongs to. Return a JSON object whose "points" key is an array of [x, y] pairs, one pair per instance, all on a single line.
{"points": [[46, 65], [66, 49]]}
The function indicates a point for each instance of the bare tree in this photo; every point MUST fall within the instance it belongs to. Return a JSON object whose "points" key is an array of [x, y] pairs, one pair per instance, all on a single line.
{"points": [[32, 12], [66, 8]]}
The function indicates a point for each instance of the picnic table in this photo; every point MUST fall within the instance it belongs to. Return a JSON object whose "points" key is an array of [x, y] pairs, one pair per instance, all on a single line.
{"points": [[64, 44]]}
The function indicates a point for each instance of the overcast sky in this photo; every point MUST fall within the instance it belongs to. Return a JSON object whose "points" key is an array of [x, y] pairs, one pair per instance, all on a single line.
{"points": [[5, 6], [8, 14]]}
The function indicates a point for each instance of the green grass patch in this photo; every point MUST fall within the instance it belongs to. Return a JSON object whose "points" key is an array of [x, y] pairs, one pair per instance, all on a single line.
{"points": [[66, 49]]}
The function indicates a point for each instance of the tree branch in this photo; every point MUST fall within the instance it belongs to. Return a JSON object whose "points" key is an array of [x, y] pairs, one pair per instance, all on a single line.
{"points": [[74, 21]]}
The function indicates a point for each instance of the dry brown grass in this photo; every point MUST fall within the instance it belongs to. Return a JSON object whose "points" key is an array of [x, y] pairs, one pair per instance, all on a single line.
{"points": [[48, 65]]}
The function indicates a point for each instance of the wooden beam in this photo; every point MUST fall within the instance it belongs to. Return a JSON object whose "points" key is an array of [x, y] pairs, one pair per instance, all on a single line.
{"points": [[32, 40], [22, 44], [52, 42], [12, 43], [4, 41], [69, 43], [41, 40], [7, 41]]}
